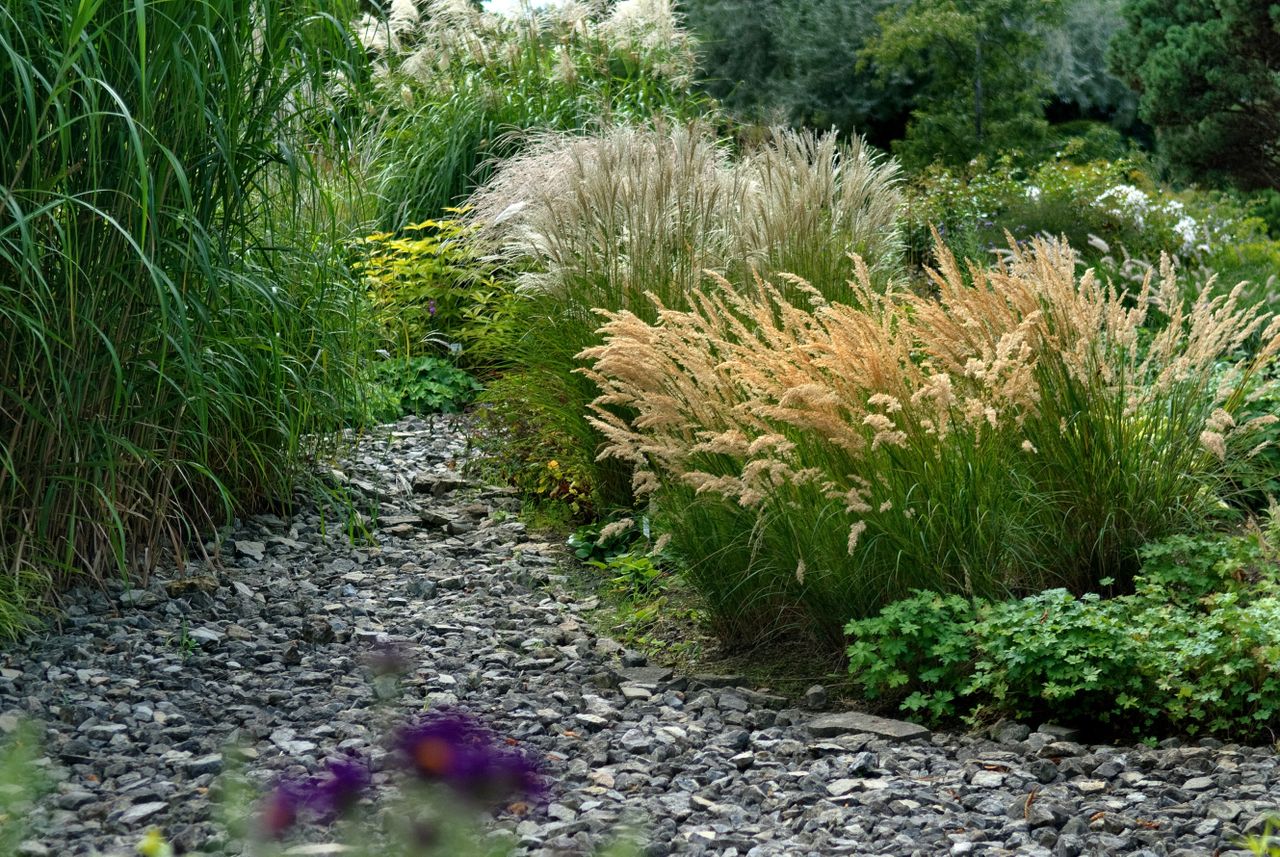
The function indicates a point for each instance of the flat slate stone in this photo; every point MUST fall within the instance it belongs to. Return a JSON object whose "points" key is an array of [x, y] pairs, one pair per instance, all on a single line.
{"points": [[643, 675], [831, 725], [134, 814]]}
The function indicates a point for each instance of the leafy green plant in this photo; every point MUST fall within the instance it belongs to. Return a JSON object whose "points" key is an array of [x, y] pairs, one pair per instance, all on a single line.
{"points": [[632, 574], [917, 653], [601, 541], [1191, 650], [422, 385], [183, 642]]}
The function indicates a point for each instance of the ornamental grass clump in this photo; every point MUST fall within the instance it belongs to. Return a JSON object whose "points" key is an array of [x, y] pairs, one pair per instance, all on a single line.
{"points": [[459, 88], [179, 329], [601, 221], [1025, 427]]}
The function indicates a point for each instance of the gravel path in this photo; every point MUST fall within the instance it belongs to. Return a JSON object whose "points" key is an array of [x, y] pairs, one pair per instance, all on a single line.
{"points": [[143, 689]]}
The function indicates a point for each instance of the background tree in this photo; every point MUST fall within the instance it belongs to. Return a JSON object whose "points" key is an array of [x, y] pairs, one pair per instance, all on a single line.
{"points": [[1208, 74], [978, 82], [1075, 59], [795, 62]]}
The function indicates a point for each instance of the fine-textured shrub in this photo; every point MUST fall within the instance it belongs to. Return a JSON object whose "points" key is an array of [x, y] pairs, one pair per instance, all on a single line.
{"points": [[1112, 211], [459, 87], [603, 221], [1021, 429], [178, 330]]}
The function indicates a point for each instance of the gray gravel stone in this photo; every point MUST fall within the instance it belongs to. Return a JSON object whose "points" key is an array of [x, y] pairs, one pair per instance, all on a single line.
{"points": [[829, 725], [288, 639]]}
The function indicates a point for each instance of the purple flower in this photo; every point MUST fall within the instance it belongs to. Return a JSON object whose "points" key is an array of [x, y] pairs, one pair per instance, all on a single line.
{"points": [[455, 749], [332, 795], [327, 796], [431, 307], [280, 809]]}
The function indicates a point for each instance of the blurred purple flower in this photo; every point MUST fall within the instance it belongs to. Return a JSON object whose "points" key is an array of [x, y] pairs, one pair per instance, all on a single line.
{"points": [[280, 809], [455, 749], [327, 796], [345, 781], [431, 307]]}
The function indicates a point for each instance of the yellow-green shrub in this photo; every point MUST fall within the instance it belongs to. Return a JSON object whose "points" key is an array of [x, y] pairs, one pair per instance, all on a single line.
{"points": [[430, 290]]}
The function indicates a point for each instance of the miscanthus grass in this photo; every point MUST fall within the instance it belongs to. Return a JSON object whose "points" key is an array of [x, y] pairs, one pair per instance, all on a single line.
{"points": [[461, 88], [178, 329], [603, 220], [1024, 427]]}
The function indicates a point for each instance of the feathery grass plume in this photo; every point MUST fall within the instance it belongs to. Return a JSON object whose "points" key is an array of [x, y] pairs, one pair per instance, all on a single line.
{"points": [[1022, 428], [811, 200], [605, 221], [179, 328]]}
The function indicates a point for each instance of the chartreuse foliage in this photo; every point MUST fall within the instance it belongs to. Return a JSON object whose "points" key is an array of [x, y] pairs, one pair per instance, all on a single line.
{"points": [[431, 292], [179, 331], [1192, 649]]}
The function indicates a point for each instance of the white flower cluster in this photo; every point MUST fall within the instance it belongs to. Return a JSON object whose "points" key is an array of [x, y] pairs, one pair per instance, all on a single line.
{"points": [[1135, 205], [1125, 200], [1185, 228]]}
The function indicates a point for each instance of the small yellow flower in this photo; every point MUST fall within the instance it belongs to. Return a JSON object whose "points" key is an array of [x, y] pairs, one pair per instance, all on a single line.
{"points": [[553, 464], [154, 845]]}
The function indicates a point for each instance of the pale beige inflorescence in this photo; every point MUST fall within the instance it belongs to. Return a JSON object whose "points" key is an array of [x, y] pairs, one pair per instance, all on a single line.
{"points": [[746, 375]]}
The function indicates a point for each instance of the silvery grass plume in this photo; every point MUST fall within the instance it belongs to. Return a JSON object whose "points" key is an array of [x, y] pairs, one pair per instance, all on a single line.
{"points": [[652, 29], [1067, 417], [625, 209], [652, 208]]}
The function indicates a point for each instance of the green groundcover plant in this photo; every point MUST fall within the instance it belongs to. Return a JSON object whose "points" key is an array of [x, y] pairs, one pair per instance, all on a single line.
{"points": [[418, 385], [1193, 649]]}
